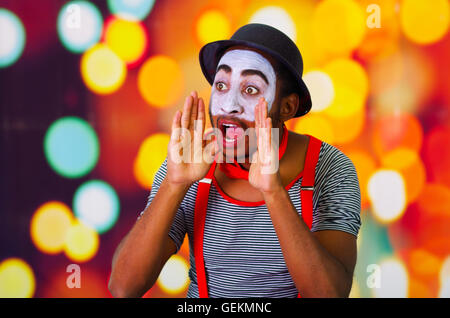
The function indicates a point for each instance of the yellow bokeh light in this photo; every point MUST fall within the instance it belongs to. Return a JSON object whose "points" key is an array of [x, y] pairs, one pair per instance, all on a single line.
{"points": [[315, 125], [424, 22], [102, 70], [151, 155], [82, 242], [16, 279], [212, 25], [387, 194], [49, 226], [338, 26], [160, 81], [276, 17], [126, 38], [394, 280], [174, 277], [320, 86], [351, 86]]}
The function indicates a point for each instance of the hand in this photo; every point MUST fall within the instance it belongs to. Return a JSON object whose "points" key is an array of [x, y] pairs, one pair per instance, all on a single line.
{"points": [[189, 155], [264, 173]]}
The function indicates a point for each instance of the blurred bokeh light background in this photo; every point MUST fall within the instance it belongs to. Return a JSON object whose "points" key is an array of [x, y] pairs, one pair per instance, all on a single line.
{"points": [[88, 90]]}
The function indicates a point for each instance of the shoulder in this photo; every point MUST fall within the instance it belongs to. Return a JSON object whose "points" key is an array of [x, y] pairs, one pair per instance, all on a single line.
{"points": [[333, 160], [335, 171]]}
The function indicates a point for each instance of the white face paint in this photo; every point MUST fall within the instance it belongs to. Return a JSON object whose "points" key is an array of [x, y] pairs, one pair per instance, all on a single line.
{"points": [[237, 94]]}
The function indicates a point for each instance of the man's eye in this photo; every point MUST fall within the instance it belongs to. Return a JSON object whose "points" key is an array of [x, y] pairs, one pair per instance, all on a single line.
{"points": [[221, 86], [251, 90]]}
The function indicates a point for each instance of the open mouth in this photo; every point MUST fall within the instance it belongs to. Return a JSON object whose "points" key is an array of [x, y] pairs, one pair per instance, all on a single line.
{"points": [[232, 131]]}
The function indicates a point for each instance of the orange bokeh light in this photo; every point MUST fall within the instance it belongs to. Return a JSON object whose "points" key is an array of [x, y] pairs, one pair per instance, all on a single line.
{"points": [[409, 164], [160, 81], [435, 199], [347, 129], [396, 130]]}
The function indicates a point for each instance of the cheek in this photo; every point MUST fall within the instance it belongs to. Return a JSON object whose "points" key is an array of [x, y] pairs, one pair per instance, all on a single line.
{"points": [[215, 102], [269, 95]]}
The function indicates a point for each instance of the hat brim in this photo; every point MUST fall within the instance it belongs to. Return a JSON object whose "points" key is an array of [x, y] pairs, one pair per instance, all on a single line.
{"points": [[211, 53]]}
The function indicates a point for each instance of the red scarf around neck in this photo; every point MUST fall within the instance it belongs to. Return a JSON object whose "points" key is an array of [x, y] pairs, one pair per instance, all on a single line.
{"points": [[235, 171]]}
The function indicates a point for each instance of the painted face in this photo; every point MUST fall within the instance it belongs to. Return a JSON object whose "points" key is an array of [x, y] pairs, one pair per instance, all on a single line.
{"points": [[242, 77]]}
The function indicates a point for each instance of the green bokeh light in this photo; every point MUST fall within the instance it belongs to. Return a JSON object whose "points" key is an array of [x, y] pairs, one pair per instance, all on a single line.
{"points": [[71, 147]]}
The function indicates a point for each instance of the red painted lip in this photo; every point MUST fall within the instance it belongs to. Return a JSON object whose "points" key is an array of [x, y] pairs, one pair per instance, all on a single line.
{"points": [[222, 121]]}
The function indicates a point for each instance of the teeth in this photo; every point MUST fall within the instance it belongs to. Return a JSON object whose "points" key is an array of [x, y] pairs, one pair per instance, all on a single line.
{"points": [[228, 139], [229, 125]]}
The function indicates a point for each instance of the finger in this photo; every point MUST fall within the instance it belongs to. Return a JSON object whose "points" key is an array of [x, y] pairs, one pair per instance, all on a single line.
{"points": [[255, 157], [201, 113], [269, 136], [194, 110], [257, 120], [259, 112], [256, 113], [176, 122], [261, 136], [185, 118], [264, 113]]}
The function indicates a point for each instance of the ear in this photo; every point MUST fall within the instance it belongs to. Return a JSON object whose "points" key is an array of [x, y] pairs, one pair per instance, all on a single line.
{"points": [[288, 106]]}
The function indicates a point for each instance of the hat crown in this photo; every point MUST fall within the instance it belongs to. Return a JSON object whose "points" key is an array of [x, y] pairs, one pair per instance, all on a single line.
{"points": [[272, 38]]}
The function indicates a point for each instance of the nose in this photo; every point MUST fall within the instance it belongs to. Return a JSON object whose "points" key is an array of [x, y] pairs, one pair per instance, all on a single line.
{"points": [[232, 109], [231, 105]]}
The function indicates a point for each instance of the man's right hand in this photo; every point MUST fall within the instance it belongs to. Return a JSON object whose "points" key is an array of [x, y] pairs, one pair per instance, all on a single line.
{"points": [[187, 161]]}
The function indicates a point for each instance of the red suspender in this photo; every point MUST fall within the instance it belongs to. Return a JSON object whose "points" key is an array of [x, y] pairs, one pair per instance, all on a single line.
{"points": [[309, 174], [201, 204]]}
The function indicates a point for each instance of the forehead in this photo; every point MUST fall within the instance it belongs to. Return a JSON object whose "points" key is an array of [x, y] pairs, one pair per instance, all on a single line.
{"points": [[242, 56], [247, 48]]}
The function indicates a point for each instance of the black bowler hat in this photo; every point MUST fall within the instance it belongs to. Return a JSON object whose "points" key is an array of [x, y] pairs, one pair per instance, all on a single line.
{"points": [[269, 40]]}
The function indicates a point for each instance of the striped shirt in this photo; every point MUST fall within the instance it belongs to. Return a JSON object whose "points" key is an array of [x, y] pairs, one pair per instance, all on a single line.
{"points": [[242, 255]]}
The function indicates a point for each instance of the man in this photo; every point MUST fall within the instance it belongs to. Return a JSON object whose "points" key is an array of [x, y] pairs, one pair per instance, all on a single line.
{"points": [[248, 226]]}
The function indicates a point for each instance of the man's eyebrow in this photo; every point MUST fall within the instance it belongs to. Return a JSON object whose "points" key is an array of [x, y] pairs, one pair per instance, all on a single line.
{"points": [[255, 72], [247, 72], [224, 67]]}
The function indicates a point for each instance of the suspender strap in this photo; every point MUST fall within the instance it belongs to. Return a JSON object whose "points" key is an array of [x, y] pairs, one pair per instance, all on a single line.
{"points": [[309, 172], [201, 205]]}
